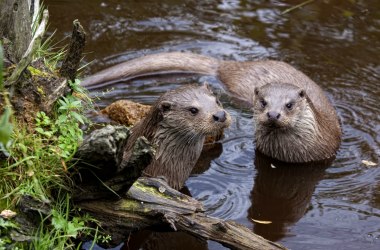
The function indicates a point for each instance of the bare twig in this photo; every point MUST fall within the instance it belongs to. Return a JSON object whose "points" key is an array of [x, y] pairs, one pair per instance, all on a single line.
{"points": [[297, 6]]}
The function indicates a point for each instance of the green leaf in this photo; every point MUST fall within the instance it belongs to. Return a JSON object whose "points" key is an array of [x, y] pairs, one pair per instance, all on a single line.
{"points": [[76, 103], [78, 117], [58, 221], [6, 127], [46, 133], [62, 119]]}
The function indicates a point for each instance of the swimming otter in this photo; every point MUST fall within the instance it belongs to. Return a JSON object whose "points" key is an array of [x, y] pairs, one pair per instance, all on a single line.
{"points": [[306, 131], [177, 125]]}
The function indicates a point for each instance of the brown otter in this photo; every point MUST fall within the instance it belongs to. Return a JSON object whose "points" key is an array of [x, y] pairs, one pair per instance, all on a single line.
{"points": [[307, 131], [177, 125]]}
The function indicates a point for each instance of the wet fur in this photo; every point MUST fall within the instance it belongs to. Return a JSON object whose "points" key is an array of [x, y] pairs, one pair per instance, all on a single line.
{"points": [[178, 134], [316, 132]]}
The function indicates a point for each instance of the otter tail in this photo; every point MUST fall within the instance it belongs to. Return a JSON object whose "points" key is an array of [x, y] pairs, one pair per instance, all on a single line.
{"points": [[162, 63]]}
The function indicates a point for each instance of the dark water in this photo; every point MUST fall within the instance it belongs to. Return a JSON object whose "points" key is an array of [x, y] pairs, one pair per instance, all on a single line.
{"points": [[336, 43]]}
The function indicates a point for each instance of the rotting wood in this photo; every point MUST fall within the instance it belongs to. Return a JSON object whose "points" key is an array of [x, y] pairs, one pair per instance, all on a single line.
{"points": [[74, 54]]}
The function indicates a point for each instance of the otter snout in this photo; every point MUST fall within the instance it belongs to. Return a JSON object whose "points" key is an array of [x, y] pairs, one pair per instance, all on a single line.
{"points": [[220, 116], [273, 115]]}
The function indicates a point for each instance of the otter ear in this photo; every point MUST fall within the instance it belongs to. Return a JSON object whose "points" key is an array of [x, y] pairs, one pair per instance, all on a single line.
{"points": [[301, 93], [207, 86], [165, 106]]}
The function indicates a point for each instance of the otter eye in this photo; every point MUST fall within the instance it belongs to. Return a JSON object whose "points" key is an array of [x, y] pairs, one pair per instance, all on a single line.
{"points": [[193, 110], [218, 102], [263, 103], [289, 105]]}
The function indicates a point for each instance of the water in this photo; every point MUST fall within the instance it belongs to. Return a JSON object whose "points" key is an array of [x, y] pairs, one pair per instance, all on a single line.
{"points": [[336, 43]]}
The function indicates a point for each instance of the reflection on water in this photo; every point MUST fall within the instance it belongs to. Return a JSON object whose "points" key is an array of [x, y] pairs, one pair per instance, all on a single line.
{"points": [[281, 194], [335, 42], [149, 240]]}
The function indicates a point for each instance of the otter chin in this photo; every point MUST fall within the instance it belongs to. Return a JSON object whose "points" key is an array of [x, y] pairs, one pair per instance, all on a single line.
{"points": [[177, 125]]}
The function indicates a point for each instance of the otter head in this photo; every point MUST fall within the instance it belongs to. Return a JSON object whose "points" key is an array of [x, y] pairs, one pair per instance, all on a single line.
{"points": [[286, 125], [279, 106], [179, 122], [192, 110]]}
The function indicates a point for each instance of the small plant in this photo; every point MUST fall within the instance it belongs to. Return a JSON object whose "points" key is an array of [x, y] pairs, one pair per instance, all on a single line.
{"points": [[63, 229], [104, 239], [39, 162], [65, 129]]}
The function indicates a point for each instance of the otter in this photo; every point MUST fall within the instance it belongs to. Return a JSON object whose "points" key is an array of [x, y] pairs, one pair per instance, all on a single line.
{"points": [[177, 125], [295, 120]]}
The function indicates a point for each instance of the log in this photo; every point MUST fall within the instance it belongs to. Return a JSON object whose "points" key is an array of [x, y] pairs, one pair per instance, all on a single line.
{"points": [[151, 202]]}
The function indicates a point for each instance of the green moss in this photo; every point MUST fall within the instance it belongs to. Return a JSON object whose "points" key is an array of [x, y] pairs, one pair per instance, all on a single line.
{"points": [[39, 73], [152, 190], [130, 204]]}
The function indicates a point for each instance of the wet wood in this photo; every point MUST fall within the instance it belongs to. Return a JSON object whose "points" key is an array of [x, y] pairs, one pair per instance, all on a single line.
{"points": [[74, 54], [151, 202]]}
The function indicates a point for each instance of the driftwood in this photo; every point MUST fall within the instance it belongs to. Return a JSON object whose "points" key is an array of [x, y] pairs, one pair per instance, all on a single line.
{"points": [[149, 202]]}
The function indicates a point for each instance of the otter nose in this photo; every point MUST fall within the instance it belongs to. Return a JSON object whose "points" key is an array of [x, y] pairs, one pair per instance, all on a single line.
{"points": [[219, 116], [273, 115]]}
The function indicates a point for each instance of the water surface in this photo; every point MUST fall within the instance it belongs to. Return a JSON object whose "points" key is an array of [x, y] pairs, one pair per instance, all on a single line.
{"points": [[336, 43]]}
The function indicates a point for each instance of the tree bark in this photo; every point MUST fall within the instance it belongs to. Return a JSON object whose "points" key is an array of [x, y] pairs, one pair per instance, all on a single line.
{"points": [[15, 27]]}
